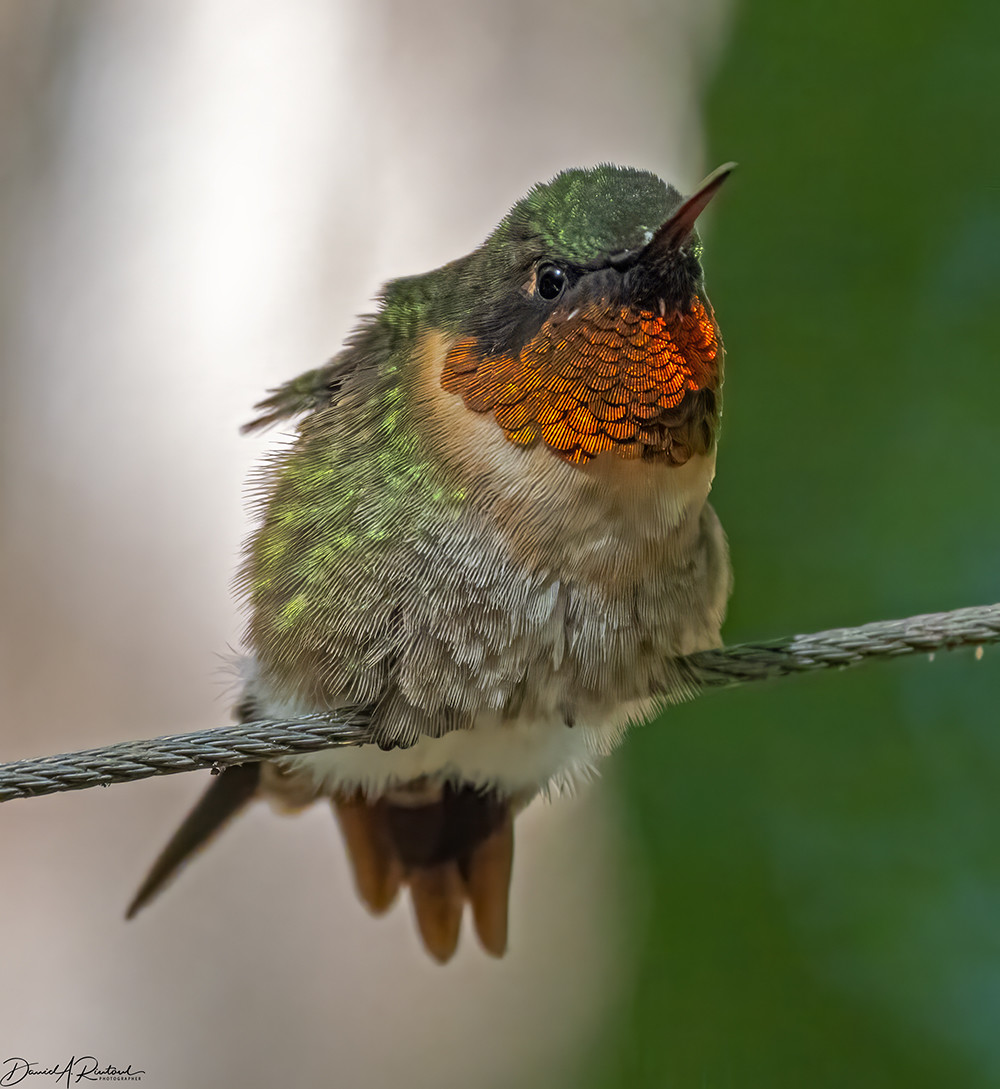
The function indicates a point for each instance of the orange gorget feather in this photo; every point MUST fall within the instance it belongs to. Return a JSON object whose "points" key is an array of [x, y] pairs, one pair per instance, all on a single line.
{"points": [[596, 380]]}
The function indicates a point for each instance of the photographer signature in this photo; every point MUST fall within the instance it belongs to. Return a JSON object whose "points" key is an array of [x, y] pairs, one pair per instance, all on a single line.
{"points": [[82, 1068]]}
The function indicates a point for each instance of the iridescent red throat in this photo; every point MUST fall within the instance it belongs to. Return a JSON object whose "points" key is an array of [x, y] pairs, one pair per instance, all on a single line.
{"points": [[629, 382]]}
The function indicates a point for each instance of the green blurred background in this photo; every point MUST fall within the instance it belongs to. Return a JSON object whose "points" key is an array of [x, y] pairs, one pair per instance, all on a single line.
{"points": [[820, 856]]}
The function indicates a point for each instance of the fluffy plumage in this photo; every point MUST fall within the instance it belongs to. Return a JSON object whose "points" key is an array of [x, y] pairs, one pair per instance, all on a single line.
{"points": [[498, 609]]}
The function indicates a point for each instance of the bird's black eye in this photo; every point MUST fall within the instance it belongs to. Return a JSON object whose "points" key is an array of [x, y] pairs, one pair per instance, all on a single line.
{"points": [[551, 281]]}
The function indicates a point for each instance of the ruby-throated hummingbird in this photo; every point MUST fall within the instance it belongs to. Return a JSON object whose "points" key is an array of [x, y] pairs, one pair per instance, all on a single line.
{"points": [[489, 539]]}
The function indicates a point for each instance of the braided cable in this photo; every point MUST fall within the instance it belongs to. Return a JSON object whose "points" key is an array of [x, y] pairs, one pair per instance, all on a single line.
{"points": [[269, 738]]}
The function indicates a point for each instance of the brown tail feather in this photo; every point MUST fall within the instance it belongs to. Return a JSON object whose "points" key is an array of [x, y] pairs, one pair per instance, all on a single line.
{"points": [[449, 844], [487, 880], [438, 895], [378, 871], [228, 793]]}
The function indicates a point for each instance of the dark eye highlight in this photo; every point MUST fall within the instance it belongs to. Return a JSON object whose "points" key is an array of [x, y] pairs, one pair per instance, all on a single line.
{"points": [[551, 282]]}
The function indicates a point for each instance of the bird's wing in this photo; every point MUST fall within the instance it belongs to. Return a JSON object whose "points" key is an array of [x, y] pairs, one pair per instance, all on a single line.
{"points": [[303, 394]]}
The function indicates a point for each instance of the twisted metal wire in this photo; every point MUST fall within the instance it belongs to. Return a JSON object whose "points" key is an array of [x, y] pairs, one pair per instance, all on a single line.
{"points": [[268, 738]]}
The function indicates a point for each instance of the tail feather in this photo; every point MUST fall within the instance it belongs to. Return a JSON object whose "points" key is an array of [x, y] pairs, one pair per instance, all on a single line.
{"points": [[438, 895], [227, 794], [378, 871], [487, 880], [449, 845]]}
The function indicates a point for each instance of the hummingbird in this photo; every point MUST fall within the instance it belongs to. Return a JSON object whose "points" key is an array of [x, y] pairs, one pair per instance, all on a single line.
{"points": [[489, 538]]}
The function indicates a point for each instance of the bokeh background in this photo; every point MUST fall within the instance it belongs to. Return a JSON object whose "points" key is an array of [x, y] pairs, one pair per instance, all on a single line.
{"points": [[787, 886]]}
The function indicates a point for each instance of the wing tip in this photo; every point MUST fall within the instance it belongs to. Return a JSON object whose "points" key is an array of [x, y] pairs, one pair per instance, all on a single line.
{"points": [[226, 795]]}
